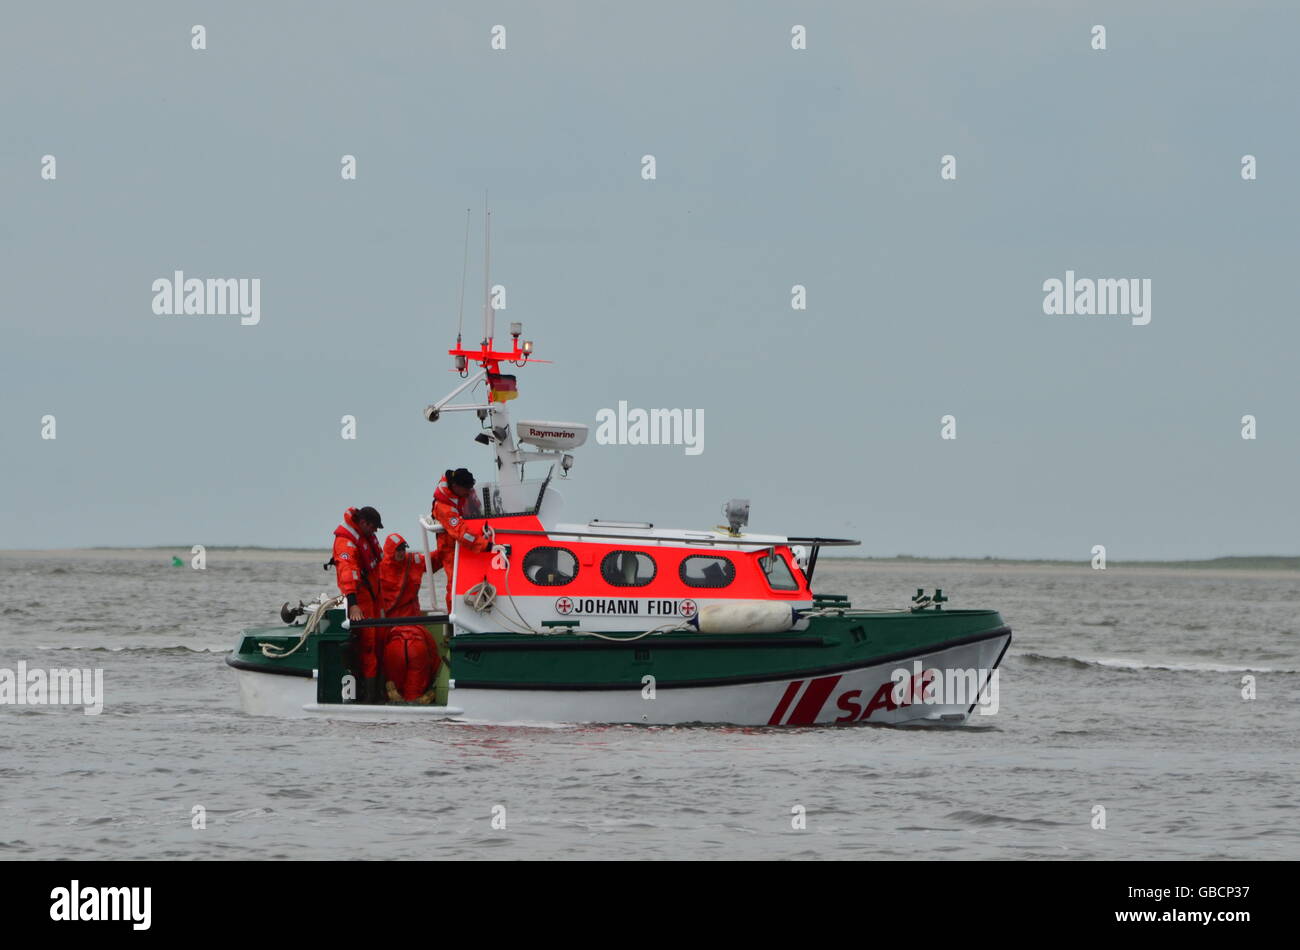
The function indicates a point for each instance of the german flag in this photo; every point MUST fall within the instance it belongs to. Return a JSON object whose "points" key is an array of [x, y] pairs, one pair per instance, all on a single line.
{"points": [[502, 387]]}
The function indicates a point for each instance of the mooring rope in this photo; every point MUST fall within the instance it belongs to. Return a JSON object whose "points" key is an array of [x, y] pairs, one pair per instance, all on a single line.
{"points": [[274, 651]]}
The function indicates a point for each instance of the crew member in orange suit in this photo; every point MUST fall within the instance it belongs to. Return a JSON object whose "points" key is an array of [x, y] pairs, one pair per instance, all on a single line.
{"points": [[411, 659], [453, 502], [356, 565], [411, 664], [400, 573]]}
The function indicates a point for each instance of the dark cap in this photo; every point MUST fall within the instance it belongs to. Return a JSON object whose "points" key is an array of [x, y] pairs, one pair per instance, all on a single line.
{"points": [[462, 477], [370, 515]]}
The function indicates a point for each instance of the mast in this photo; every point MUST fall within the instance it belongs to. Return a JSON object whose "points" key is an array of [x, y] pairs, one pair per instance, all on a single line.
{"points": [[509, 470], [509, 460]]}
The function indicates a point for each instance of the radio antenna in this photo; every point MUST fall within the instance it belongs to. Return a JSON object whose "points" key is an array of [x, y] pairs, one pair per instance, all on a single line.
{"points": [[464, 268], [488, 315]]}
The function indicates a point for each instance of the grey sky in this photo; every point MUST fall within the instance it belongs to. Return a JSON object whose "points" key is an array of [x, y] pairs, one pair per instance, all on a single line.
{"points": [[775, 167]]}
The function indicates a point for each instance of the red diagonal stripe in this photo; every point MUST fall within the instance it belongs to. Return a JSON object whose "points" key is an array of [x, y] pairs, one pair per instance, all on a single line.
{"points": [[784, 704], [810, 704]]}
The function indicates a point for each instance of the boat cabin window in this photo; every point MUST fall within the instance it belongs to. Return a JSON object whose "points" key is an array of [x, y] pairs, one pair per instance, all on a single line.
{"points": [[778, 572], [550, 567], [627, 568], [707, 570]]}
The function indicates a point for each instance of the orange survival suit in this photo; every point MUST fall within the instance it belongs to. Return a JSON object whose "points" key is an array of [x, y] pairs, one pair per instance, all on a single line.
{"points": [[399, 579], [411, 659], [451, 511], [356, 566], [411, 662]]}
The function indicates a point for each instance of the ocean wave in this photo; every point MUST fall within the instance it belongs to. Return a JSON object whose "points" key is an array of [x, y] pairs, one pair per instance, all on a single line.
{"points": [[972, 817], [1123, 663], [176, 649]]}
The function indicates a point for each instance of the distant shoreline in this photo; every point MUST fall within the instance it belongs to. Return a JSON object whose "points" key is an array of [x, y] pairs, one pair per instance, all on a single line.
{"points": [[1258, 562]]}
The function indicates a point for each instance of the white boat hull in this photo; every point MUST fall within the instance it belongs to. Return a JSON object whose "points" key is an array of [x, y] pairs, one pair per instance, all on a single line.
{"points": [[862, 694]]}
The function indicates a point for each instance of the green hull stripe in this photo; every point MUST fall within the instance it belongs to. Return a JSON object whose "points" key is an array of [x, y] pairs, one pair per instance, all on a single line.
{"points": [[723, 642], [743, 679], [832, 643]]}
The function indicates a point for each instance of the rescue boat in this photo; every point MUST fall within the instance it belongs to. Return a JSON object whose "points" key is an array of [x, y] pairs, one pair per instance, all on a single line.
{"points": [[624, 621]]}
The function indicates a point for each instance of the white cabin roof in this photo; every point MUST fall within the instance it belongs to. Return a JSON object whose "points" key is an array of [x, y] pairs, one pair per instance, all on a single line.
{"points": [[665, 537]]}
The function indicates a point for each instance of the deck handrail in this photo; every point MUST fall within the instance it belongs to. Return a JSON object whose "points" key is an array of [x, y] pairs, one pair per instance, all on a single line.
{"points": [[699, 539]]}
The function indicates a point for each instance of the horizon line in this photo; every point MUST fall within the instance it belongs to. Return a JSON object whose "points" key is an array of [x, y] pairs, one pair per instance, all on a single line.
{"points": [[1291, 560]]}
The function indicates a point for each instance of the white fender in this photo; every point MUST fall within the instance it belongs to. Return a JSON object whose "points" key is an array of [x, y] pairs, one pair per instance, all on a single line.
{"points": [[745, 616]]}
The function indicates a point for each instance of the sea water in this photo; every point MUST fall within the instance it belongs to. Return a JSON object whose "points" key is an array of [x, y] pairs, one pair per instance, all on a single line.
{"points": [[1144, 713]]}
